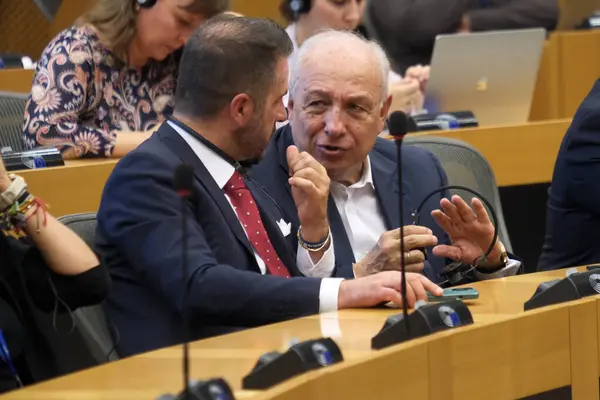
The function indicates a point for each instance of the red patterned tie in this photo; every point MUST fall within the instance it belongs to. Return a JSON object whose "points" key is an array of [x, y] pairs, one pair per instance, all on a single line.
{"points": [[247, 212]]}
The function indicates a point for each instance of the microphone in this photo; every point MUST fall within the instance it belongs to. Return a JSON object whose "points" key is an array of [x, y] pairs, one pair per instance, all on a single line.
{"points": [[217, 388], [398, 127], [444, 121], [32, 159], [183, 182]]}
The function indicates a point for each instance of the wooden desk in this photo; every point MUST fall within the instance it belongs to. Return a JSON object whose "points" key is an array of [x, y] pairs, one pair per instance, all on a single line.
{"points": [[75, 188], [518, 353], [518, 154], [16, 80]]}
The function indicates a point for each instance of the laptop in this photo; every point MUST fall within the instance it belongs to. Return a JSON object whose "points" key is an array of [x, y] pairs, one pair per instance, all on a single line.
{"points": [[492, 74]]}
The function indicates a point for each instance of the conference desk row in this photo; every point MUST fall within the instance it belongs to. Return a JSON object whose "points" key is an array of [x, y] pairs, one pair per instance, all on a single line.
{"points": [[518, 154], [521, 156], [549, 353]]}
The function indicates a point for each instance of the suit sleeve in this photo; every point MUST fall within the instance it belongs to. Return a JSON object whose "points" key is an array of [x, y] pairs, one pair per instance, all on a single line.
{"points": [[516, 14], [142, 215], [416, 22]]}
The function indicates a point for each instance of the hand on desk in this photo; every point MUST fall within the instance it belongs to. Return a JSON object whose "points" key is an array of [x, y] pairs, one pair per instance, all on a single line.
{"points": [[469, 229], [384, 288]]}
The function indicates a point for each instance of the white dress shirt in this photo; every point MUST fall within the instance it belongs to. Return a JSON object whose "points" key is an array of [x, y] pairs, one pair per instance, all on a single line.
{"points": [[358, 207], [222, 171]]}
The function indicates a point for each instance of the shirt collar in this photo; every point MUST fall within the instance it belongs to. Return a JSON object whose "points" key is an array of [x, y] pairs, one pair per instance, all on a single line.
{"points": [[365, 180], [220, 170]]}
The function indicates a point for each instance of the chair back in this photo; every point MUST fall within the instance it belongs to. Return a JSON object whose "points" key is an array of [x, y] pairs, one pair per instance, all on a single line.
{"points": [[465, 166], [12, 112], [91, 321]]}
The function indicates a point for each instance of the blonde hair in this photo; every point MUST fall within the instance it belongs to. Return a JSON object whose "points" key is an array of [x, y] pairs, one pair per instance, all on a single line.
{"points": [[115, 20]]}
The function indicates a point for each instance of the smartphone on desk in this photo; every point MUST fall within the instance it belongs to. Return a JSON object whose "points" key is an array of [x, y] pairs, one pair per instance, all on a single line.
{"points": [[463, 293]]}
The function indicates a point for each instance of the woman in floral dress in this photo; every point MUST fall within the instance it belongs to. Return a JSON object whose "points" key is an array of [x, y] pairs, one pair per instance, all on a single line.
{"points": [[104, 85]]}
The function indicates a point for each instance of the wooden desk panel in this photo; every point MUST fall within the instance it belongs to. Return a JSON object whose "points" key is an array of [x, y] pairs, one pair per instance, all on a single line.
{"points": [[545, 104], [233, 356], [579, 68], [16, 80], [518, 154], [75, 188]]}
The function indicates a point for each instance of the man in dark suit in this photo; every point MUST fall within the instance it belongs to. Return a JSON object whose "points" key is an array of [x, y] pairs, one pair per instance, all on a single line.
{"points": [[242, 269], [336, 111], [573, 213]]}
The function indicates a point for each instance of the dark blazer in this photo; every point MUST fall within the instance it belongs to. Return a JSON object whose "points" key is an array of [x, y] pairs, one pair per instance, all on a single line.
{"points": [[573, 213], [140, 238], [422, 174], [407, 28]]}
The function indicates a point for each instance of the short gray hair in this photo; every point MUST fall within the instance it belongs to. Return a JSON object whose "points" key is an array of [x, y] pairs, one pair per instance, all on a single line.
{"points": [[338, 36]]}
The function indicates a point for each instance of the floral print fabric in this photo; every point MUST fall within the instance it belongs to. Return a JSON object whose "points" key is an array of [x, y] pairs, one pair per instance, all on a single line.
{"points": [[82, 95]]}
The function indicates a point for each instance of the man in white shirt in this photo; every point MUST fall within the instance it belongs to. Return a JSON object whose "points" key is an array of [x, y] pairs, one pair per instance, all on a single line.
{"points": [[242, 271], [338, 105]]}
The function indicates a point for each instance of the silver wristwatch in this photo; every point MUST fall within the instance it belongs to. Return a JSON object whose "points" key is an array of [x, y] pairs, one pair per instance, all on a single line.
{"points": [[13, 192]]}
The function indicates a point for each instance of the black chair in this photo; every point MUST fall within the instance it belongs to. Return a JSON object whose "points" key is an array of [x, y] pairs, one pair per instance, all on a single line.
{"points": [[12, 112], [465, 166], [91, 321]]}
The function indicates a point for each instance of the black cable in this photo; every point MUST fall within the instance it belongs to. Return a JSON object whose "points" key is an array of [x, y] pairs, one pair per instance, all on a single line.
{"points": [[416, 214]]}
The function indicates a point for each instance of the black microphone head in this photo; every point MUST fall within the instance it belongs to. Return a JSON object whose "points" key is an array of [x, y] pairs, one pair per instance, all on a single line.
{"points": [[398, 124], [183, 179]]}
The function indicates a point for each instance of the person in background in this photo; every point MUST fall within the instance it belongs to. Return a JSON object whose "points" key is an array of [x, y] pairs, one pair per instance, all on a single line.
{"points": [[45, 266], [407, 28], [319, 15], [102, 86]]}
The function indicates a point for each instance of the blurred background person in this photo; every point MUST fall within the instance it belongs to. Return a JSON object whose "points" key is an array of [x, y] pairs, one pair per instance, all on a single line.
{"points": [[407, 28], [102, 86], [320, 15]]}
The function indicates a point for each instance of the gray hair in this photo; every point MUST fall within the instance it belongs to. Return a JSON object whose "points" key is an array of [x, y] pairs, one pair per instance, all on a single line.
{"points": [[338, 36]]}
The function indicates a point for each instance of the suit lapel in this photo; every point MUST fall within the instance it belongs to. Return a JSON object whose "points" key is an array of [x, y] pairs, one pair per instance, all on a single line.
{"points": [[341, 244], [179, 147]]}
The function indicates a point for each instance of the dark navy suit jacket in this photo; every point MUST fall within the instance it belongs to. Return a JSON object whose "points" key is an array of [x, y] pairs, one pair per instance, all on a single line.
{"points": [[573, 213], [422, 174], [139, 236]]}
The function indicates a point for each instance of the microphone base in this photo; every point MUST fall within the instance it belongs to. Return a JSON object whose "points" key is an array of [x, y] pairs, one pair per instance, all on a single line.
{"points": [[572, 287], [274, 368], [204, 390], [425, 320]]}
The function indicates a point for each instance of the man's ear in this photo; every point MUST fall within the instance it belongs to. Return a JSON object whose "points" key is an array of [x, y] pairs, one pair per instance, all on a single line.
{"points": [[241, 109], [383, 113], [385, 108]]}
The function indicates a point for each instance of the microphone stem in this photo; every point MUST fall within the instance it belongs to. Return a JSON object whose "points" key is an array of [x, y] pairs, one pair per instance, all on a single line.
{"points": [[402, 258], [184, 312]]}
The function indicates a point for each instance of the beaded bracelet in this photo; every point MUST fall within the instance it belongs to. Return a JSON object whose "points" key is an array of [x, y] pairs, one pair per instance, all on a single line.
{"points": [[13, 219], [313, 247]]}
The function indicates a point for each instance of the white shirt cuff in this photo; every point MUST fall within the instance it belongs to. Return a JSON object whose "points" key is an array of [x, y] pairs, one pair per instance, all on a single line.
{"points": [[328, 294], [322, 269], [512, 267]]}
